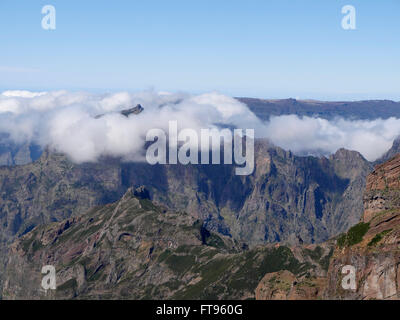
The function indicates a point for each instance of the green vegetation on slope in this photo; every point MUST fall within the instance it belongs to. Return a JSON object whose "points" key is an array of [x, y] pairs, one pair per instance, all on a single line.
{"points": [[354, 235], [375, 240]]}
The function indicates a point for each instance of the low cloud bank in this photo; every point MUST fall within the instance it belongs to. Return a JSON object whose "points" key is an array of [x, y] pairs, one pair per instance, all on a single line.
{"points": [[371, 138], [65, 121]]}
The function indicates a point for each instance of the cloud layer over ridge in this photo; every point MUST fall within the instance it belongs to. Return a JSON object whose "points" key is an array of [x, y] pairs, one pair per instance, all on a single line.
{"points": [[65, 121]]}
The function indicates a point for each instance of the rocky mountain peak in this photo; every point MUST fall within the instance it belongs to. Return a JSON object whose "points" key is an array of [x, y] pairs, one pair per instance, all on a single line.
{"points": [[126, 112], [346, 155], [142, 193], [135, 110]]}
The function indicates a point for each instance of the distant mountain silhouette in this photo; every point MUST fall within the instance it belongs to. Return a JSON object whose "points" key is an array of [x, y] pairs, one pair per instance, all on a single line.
{"points": [[366, 110]]}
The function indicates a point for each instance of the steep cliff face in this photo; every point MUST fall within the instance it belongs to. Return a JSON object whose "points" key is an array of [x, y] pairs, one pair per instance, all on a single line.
{"points": [[300, 199], [17, 154], [382, 188], [133, 249], [288, 198], [371, 247]]}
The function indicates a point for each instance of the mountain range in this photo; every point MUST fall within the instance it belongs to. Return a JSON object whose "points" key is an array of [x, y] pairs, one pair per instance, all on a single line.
{"points": [[354, 110], [192, 231], [134, 249]]}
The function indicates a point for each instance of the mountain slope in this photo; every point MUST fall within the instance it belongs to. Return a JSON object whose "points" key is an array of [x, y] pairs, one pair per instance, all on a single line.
{"points": [[132, 249]]}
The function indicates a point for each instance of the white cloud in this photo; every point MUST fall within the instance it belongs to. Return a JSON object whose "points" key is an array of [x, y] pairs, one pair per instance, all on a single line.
{"points": [[65, 122], [114, 101], [9, 105], [370, 138], [22, 93]]}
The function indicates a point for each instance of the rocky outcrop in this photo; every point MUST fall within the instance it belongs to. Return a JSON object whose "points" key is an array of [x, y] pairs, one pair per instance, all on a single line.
{"points": [[385, 176], [142, 193], [126, 112], [382, 188], [284, 285], [309, 284], [135, 110]]}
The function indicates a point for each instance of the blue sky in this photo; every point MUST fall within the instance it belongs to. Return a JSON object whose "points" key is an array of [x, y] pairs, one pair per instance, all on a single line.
{"points": [[259, 48]]}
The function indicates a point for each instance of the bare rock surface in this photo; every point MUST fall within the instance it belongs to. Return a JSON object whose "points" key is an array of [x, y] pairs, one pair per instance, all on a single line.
{"points": [[372, 247]]}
